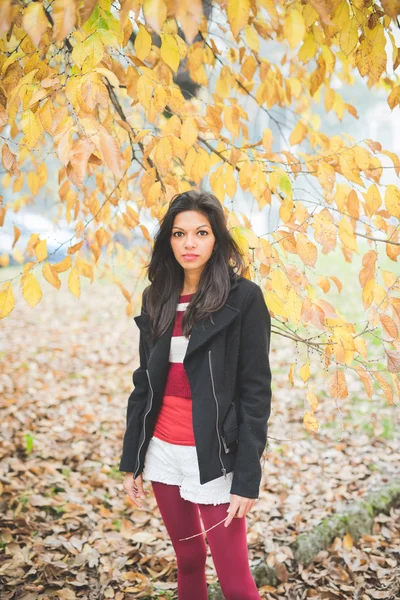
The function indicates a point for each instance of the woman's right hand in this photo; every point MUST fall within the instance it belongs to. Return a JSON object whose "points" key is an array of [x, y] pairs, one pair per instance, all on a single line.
{"points": [[134, 488]]}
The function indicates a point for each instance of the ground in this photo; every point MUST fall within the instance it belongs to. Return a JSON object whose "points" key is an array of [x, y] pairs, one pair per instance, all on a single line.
{"points": [[67, 528]]}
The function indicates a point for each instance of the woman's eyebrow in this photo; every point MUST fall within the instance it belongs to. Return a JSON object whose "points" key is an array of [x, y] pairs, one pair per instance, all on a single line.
{"points": [[176, 227]]}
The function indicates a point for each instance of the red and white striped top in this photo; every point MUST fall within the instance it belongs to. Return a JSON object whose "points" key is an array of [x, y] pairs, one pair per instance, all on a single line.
{"points": [[174, 422], [177, 383]]}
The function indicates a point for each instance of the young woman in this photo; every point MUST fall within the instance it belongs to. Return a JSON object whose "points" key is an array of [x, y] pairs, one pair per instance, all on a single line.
{"points": [[196, 423]]}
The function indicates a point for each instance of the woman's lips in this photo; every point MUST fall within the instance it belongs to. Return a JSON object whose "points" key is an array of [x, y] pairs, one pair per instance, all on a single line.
{"points": [[190, 256]]}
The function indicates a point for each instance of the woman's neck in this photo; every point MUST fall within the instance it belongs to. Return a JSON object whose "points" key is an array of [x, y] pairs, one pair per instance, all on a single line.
{"points": [[189, 287]]}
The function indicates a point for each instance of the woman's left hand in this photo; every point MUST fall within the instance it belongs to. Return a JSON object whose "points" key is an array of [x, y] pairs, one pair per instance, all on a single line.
{"points": [[239, 507]]}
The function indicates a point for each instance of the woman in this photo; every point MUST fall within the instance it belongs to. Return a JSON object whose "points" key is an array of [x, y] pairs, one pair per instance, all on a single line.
{"points": [[196, 423]]}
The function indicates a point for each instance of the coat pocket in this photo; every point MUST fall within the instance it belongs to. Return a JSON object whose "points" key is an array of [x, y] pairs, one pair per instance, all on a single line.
{"points": [[230, 429]]}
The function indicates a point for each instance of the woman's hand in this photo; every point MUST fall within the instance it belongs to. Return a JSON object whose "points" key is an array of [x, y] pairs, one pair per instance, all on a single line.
{"points": [[239, 507], [134, 488]]}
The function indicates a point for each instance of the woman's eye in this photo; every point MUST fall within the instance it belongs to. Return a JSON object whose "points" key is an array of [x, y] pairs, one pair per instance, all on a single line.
{"points": [[179, 232]]}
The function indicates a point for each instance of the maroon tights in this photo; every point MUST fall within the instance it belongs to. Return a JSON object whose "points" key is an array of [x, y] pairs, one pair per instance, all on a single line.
{"points": [[228, 546]]}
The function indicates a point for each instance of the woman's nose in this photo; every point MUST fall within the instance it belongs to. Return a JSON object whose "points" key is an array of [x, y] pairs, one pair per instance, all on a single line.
{"points": [[190, 243]]}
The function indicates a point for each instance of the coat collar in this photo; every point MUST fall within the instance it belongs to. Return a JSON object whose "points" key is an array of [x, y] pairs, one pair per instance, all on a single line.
{"points": [[201, 332]]}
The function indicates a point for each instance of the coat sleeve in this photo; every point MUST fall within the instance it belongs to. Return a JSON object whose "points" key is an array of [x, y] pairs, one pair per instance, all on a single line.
{"points": [[136, 405], [254, 394]]}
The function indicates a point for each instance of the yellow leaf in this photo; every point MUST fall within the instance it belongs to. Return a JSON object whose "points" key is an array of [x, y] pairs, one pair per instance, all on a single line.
{"points": [[239, 237], [310, 422], [84, 268], [349, 167], [41, 250], [349, 36], [189, 14], [395, 159], [14, 56], [371, 56], [142, 43], [298, 134], [238, 15], [389, 278], [348, 541], [267, 140], [367, 293], [394, 97], [324, 284], [380, 296], [384, 385], [294, 28], [252, 38], [4, 260], [392, 200], [326, 175], [74, 283], [7, 301], [290, 374], [346, 234], [42, 174], [280, 283], [51, 275], [64, 16], [112, 78], [145, 87], [170, 51], [111, 152], [251, 238], [306, 250], [155, 13], [312, 400], [62, 266], [17, 233], [31, 289], [163, 155], [309, 48], [293, 306], [153, 195], [366, 380], [373, 200], [109, 38], [93, 50], [78, 56], [393, 361], [305, 371], [78, 246], [362, 157], [343, 338], [33, 182], [34, 21], [389, 326], [275, 304], [32, 128], [189, 132], [337, 385], [9, 159]]}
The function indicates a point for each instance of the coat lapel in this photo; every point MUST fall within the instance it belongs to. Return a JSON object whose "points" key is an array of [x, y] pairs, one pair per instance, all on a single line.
{"points": [[202, 331]]}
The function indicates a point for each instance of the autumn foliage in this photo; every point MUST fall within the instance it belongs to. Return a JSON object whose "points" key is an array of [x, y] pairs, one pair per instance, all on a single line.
{"points": [[98, 86]]}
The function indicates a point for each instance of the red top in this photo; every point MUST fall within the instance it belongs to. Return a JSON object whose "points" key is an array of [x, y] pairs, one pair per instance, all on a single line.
{"points": [[174, 422]]}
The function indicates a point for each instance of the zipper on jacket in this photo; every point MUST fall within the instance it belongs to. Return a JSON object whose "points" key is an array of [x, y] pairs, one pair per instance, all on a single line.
{"points": [[216, 422], [144, 428]]}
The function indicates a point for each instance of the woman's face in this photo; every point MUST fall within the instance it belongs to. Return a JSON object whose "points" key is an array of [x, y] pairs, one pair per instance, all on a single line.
{"points": [[192, 235]]}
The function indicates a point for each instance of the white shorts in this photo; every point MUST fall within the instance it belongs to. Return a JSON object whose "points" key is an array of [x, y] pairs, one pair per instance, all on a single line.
{"points": [[177, 465]]}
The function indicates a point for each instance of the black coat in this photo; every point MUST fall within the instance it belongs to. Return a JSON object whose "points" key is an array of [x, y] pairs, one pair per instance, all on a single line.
{"points": [[227, 364]]}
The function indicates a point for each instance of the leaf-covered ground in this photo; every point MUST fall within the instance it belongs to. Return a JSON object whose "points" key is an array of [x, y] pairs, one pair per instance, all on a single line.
{"points": [[67, 528]]}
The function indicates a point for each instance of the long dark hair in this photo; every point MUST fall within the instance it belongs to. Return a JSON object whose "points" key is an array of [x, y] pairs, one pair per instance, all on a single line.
{"points": [[167, 275]]}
